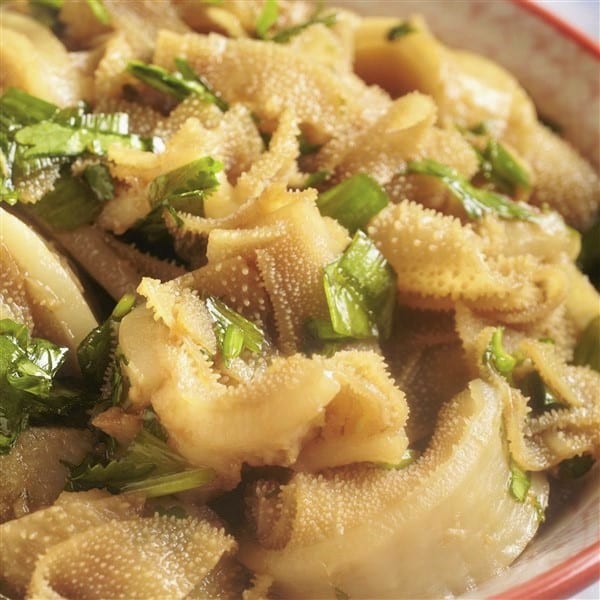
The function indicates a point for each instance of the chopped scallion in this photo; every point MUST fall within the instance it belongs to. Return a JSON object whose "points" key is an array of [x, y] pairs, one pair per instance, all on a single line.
{"points": [[520, 482], [353, 202], [148, 465], [99, 11], [267, 18], [501, 168], [186, 187], [71, 204], [496, 357], [400, 30], [233, 331], [283, 36], [181, 84], [96, 350], [360, 289], [476, 202]]}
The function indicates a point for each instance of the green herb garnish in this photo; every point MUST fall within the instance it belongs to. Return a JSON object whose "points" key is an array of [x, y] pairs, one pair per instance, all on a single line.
{"points": [[360, 288], [541, 397], [496, 357], [99, 11], [148, 465], [183, 189], [283, 36], [53, 139], [96, 350], [29, 384], [476, 202], [315, 179], [408, 458], [400, 30], [186, 187], [233, 331], [75, 201], [502, 169], [267, 18], [520, 482], [354, 202], [182, 83]]}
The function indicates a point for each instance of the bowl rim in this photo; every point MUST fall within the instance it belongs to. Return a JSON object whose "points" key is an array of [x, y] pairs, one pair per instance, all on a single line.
{"points": [[563, 27], [561, 581]]}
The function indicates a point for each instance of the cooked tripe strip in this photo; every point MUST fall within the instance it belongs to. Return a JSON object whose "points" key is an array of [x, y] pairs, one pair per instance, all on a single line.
{"points": [[439, 261], [34, 471], [60, 312], [565, 181], [270, 78], [151, 558], [170, 366], [364, 422], [34, 60], [25, 539], [414, 533]]}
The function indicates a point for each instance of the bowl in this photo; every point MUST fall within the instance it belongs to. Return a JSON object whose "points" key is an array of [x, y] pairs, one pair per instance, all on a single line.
{"points": [[560, 69]]}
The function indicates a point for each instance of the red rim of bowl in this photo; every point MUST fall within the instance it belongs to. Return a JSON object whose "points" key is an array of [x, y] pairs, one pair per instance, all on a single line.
{"points": [[581, 570], [567, 578], [563, 27]]}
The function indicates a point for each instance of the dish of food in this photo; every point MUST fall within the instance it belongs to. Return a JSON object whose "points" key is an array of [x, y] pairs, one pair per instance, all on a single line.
{"points": [[293, 305]]}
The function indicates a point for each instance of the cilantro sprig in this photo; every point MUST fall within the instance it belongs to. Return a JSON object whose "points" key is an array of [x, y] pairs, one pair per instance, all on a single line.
{"points": [[181, 190], [30, 386], [36, 135], [148, 465]]}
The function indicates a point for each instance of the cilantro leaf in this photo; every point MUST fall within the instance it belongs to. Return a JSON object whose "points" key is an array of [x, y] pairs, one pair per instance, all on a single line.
{"points": [[53, 139], [71, 204], [148, 465], [96, 349], [182, 189], [28, 381], [476, 202], [186, 187], [98, 177]]}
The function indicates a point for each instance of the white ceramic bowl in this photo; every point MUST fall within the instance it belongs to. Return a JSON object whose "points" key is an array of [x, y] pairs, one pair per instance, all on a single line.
{"points": [[560, 68]]}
